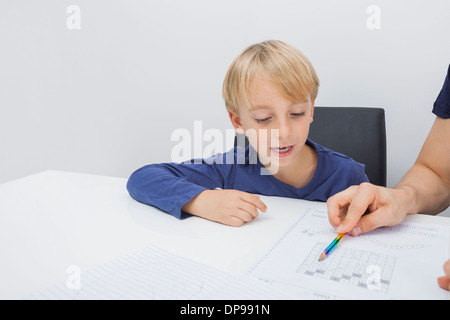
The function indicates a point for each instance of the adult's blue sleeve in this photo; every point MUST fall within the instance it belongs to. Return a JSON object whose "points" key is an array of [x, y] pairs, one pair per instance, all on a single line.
{"points": [[169, 186], [441, 107]]}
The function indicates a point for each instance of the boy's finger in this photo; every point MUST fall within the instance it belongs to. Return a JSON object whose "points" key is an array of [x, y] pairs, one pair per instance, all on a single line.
{"points": [[255, 200], [233, 221], [244, 215], [248, 207], [337, 202]]}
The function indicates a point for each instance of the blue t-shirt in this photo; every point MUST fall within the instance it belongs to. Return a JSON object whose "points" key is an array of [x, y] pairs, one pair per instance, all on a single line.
{"points": [[169, 186], [441, 106]]}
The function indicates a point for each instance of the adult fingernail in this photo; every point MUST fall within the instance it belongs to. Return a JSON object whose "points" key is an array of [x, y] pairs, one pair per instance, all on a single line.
{"points": [[356, 231], [340, 228]]}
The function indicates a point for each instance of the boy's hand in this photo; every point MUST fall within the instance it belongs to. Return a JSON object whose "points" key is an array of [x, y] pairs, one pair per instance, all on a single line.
{"points": [[230, 207]]}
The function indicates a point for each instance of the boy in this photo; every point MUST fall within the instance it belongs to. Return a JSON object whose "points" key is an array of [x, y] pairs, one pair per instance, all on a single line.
{"points": [[269, 92]]}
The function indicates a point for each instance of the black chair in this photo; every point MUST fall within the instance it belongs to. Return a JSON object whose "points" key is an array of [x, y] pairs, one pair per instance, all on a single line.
{"points": [[357, 132]]}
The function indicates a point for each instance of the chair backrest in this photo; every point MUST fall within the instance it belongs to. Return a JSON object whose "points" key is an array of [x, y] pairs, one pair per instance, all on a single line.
{"points": [[357, 132]]}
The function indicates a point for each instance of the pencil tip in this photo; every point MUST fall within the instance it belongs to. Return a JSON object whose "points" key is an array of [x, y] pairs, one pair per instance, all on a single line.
{"points": [[322, 256]]}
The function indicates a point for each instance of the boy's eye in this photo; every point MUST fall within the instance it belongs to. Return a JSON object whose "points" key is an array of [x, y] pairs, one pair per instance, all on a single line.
{"points": [[301, 114], [262, 120]]}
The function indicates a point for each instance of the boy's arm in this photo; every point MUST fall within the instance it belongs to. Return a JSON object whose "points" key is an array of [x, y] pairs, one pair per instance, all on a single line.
{"points": [[179, 189], [358, 175], [169, 186]]}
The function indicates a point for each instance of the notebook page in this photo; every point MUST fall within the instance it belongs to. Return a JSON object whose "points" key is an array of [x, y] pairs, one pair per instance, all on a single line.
{"points": [[147, 273]]}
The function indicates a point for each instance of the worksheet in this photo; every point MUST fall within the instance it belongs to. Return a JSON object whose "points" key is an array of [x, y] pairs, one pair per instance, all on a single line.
{"points": [[400, 262]]}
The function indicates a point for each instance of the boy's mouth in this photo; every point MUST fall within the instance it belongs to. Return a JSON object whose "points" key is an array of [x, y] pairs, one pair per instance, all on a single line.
{"points": [[282, 151]]}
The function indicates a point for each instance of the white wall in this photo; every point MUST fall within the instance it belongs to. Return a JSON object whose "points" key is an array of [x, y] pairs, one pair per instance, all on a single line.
{"points": [[105, 98]]}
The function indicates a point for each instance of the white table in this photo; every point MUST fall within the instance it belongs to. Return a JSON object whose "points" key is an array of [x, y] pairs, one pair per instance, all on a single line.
{"points": [[52, 220]]}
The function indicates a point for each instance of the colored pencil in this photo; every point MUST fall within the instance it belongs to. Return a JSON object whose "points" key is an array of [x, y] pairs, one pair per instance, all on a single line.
{"points": [[332, 245]]}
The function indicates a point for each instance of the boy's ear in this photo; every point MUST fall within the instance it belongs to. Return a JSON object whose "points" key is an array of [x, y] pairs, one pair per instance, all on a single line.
{"points": [[312, 112], [236, 121]]}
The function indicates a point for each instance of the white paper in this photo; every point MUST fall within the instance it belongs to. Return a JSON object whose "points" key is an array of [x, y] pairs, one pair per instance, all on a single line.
{"points": [[153, 273], [400, 262]]}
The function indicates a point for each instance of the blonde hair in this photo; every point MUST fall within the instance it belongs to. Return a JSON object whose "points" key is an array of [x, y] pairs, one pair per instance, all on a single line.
{"points": [[285, 66]]}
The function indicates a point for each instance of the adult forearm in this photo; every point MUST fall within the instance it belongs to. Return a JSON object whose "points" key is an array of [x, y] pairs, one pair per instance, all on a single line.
{"points": [[428, 192], [429, 178]]}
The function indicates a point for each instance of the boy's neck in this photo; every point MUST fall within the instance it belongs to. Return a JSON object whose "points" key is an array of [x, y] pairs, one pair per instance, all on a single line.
{"points": [[300, 173]]}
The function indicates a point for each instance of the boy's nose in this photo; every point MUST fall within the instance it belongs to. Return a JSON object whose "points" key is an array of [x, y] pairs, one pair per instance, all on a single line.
{"points": [[283, 130]]}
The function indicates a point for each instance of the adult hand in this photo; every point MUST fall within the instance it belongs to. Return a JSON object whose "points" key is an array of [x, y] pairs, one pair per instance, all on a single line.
{"points": [[384, 207], [444, 281]]}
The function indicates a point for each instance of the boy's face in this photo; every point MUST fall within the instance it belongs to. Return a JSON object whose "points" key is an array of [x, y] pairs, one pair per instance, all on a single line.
{"points": [[276, 128]]}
